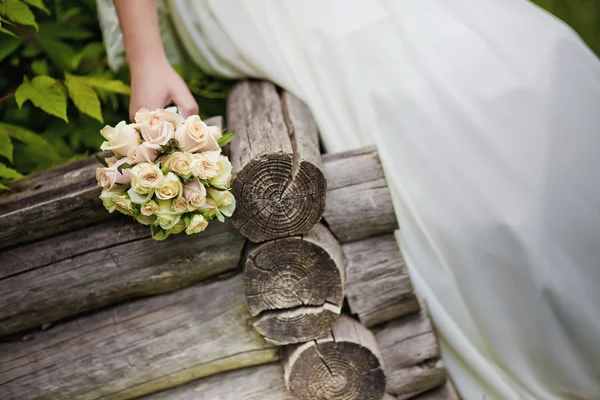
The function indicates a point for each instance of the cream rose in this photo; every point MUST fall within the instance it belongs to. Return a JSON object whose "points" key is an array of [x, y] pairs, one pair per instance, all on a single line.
{"points": [[146, 219], [223, 201], [156, 131], [142, 154], [150, 208], [195, 194], [179, 205], [107, 200], [197, 224], [204, 165], [195, 136], [109, 177], [120, 139], [145, 178], [178, 227], [123, 204], [223, 179], [169, 188], [179, 163], [166, 218], [171, 115]]}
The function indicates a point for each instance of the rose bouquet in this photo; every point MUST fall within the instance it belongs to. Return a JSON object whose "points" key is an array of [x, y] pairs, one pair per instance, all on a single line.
{"points": [[166, 172]]}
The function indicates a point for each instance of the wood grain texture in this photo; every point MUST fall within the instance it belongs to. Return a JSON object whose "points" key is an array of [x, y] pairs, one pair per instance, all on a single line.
{"points": [[378, 287], [278, 179], [359, 204], [124, 263], [295, 285], [137, 348], [411, 355], [345, 365], [264, 382], [58, 200]]}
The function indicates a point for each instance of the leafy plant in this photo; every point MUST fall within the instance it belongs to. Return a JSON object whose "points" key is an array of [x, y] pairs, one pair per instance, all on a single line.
{"points": [[56, 90]]}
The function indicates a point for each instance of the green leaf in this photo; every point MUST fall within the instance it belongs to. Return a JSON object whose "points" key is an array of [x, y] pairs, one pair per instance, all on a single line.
{"points": [[6, 147], [226, 138], [123, 166], [4, 187], [40, 67], [53, 30], [30, 139], [8, 45], [19, 12], [115, 86], [61, 54], [6, 172], [84, 97], [6, 31], [45, 93], [102, 160], [38, 4]]}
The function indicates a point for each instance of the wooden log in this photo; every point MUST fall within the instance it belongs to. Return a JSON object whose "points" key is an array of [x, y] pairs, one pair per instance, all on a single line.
{"points": [[111, 262], [263, 382], [278, 179], [58, 200], [378, 287], [411, 355], [359, 204], [345, 365], [137, 348], [295, 286]]}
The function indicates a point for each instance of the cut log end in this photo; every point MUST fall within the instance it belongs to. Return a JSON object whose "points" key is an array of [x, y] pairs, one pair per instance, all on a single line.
{"points": [[295, 285], [346, 368]]}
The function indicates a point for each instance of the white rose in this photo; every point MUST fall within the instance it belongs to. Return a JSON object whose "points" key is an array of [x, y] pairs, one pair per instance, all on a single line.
{"points": [[204, 165], [195, 193], [169, 188], [123, 204], [177, 228], [197, 224], [223, 179], [146, 219], [109, 177], [195, 136], [156, 132], [107, 200], [179, 163], [180, 205], [145, 178], [150, 208], [142, 154], [120, 139], [166, 218], [223, 201]]}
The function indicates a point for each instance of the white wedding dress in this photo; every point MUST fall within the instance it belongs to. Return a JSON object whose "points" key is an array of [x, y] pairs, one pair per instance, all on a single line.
{"points": [[486, 114]]}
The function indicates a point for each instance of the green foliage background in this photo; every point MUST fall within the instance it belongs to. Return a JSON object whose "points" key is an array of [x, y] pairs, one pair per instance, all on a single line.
{"points": [[57, 92]]}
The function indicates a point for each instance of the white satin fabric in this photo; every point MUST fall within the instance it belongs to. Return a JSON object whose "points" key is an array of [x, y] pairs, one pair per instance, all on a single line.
{"points": [[486, 114]]}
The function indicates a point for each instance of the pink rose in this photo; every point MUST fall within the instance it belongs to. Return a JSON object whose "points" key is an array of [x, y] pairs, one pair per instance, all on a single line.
{"points": [[195, 136], [195, 193], [156, 132], [108, 177], [142, 154]]}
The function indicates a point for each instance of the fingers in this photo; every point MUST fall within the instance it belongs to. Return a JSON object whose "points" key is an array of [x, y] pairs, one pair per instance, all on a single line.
{"points": [[185, 101]]}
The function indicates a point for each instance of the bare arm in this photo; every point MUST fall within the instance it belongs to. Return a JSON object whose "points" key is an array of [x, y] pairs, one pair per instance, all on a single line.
{"points": [[154, 83]]}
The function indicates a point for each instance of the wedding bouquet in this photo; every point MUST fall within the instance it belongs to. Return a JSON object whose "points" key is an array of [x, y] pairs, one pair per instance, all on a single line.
{"points": [[166, 172]]}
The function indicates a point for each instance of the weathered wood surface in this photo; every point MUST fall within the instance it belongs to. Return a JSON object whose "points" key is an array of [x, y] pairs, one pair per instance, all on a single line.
{"points": [[278, 179], [58, 200], [378, 287], [124, 262], [359, 204], [411, 355], [295, 286], [264, 382], [137, 348], [345, 365]]}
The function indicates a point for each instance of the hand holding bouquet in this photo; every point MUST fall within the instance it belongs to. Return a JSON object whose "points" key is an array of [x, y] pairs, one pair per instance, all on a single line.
{"points": [[166, 172]]}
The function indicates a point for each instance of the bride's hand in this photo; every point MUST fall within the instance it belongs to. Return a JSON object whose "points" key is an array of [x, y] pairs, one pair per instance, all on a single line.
{"points": [[155, 85]]}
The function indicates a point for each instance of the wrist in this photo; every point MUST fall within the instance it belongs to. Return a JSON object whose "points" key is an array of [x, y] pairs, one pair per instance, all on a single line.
{"points": [[142, 60]]}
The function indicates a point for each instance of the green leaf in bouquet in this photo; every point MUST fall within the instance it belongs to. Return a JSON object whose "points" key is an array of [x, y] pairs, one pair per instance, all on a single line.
{"points": [[158, 233], [8, 45], [123, 166], [84, 97], [18, 12], [186, 220], [45, 93], [61, 54], [164, 170], [226, 138], [7, 172], [137, 209], [39, 4], [101, 159], [6, 147]]}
